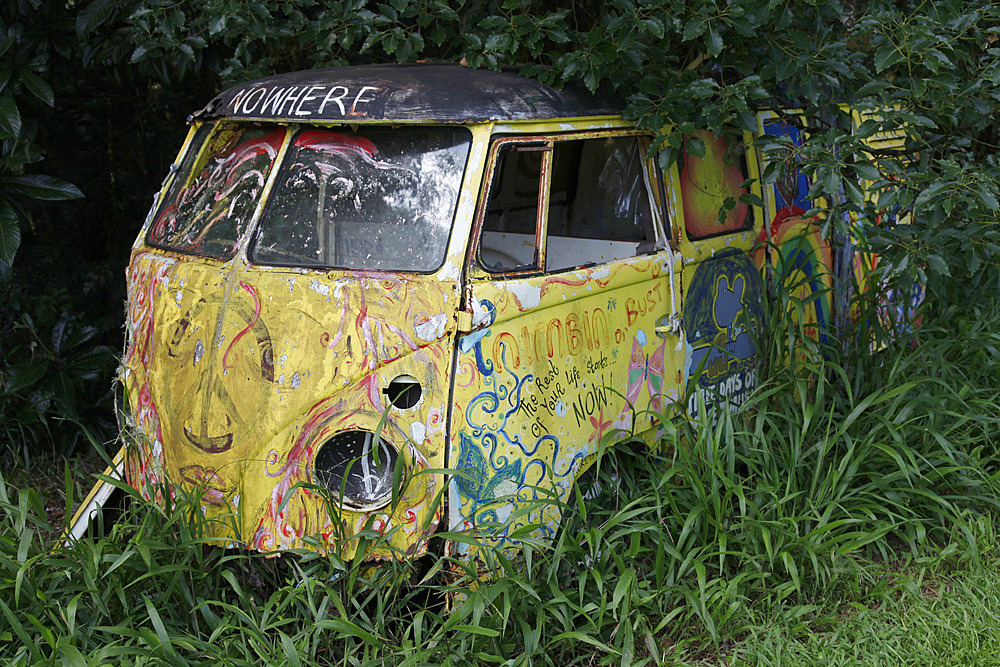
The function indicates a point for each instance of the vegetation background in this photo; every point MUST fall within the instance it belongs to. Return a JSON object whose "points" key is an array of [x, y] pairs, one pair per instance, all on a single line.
{"points": [[856, 489]]}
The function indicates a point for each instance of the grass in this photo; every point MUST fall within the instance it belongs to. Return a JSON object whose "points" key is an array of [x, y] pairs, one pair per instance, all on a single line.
{"points": [[849, 516]]}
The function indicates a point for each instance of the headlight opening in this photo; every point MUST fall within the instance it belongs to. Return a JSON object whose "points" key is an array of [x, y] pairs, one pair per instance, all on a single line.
{"points": [[356, 469]]}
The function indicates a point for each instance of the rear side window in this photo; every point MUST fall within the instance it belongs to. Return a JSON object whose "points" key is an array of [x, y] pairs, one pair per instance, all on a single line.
{"points": [[711, 187], [208, 208], [587, 198]]}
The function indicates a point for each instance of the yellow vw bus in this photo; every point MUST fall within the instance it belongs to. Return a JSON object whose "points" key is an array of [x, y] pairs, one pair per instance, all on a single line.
{"points": [[432, 292]]}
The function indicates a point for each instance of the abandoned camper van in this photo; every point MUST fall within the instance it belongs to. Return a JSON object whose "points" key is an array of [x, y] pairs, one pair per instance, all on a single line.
{"points": [[430, 293]]}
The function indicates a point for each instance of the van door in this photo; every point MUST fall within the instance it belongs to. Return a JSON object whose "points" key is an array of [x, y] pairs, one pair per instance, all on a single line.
{"points": [[570, 292], [723, 291]]}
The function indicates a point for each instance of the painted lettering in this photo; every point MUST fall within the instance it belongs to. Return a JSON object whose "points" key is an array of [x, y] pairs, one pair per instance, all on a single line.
{"points": [[337, 95], [590, 401], [359, 99], [272, 101], [631, 312], [599, 327], [506, 341], [290, 97], [574, 335], [308, 97], [248, 98]]}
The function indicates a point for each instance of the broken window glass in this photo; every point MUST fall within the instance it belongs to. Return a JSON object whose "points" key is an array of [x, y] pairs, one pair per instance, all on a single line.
{"points": [[208, 208], [377, 199]]}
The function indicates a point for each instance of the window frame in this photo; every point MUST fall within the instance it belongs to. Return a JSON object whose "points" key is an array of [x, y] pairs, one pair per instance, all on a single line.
{"points": [[546, 143]]}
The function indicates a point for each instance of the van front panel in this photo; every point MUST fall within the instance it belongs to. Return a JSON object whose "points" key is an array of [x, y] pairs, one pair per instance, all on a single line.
{"points": [[291, 332]]}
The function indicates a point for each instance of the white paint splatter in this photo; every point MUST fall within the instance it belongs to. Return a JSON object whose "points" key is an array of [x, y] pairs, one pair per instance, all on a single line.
{"points": [[527, 294], [433, 328], [480, 314], [505, 488], [418, 432], [338, 286], [560, 408], [281, 379], [199, 351], [282, 359], [179, 297], [319, 287], [296, 380], [601, 272], [449, 271]]}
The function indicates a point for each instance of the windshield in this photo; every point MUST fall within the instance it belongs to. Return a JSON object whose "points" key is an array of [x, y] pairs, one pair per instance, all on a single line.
{"points": [[379, 198], [208, 207]]}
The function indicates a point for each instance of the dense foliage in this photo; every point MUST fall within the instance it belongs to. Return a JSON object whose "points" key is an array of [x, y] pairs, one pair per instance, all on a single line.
{"points": [[764, 517]]}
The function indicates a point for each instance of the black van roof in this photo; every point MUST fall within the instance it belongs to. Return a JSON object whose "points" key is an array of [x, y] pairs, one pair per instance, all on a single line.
{"points": [[414, 92]]}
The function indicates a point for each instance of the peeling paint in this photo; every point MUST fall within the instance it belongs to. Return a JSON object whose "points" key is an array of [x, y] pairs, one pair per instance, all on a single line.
{"points": [[320, 288]]}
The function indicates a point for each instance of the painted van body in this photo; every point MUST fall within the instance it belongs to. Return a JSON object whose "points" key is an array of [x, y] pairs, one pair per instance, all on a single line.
{"points": [[466, 280]]}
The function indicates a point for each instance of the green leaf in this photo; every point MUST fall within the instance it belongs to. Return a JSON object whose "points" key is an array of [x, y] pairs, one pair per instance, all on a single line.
{"points": [[25, 375], [866, 170], [695, 147], [713, 42], [694, 27], [853, 192], [886, 56], [10, 118], [831, 182], [39, 186], [938, 265], [987, 197], [10, 232], [38, 87]]}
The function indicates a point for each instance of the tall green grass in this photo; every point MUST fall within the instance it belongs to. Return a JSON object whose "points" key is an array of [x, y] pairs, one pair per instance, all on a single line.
{"points": [[844, 471]]}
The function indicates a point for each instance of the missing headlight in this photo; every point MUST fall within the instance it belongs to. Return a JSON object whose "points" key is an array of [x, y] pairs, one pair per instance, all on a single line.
{"points": [[351, 464]]}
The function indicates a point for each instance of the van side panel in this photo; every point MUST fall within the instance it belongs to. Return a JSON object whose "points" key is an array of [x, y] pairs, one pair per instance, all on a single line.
{"points": [[562, 364], [800, 256], [723, 292]]}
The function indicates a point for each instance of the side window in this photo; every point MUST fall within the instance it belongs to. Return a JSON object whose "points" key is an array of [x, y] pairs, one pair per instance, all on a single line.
{"points": [[711, 187], [512, 216], [587, 199]]}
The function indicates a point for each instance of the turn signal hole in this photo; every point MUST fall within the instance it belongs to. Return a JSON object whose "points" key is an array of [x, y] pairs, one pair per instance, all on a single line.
{"points": [[403, 392]]}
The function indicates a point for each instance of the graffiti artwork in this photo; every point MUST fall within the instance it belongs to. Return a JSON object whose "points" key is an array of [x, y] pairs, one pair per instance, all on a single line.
{"points": [[562, 364], [723, 317], [801, 257], [711, 187]]}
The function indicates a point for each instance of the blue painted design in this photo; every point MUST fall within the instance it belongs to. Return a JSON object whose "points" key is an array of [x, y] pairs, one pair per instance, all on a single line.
{"points": [[491, 485], [722, 312], [795, 183]]}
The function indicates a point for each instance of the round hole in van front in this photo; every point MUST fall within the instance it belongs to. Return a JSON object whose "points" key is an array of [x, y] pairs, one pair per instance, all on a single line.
{"points": [[403, 392], [357, 467]]}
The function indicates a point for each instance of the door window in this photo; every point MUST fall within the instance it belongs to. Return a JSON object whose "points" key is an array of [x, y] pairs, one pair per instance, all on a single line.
{"points": [[563, 203]]}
